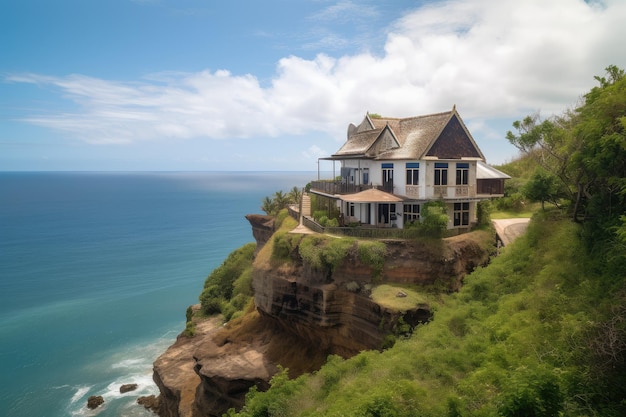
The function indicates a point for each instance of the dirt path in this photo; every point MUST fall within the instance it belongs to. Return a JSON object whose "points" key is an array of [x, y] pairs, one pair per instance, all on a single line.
{"points": [[510, 229]]}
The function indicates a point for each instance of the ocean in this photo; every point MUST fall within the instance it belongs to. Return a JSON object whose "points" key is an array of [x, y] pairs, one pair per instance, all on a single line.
{"points": [[97, 270]]}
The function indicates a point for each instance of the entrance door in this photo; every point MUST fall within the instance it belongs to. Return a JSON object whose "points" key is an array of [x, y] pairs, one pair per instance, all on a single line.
{"points": [[383, 214]]}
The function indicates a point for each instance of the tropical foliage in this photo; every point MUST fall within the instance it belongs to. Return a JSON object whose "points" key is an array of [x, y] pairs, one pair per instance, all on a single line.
{"points": [[280, 200]]}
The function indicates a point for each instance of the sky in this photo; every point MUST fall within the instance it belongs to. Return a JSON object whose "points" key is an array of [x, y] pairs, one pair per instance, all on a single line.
{"points": [[187, 85]]}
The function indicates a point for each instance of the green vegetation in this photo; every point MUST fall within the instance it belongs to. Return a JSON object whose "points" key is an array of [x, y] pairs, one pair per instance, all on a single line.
{"points": [[228, 289], [372, 253], [541, 331], [324, 253], [387, 296], [279, 201]]}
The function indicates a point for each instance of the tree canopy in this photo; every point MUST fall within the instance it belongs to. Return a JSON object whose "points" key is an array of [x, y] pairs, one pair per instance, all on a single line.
{"points": [[585, 148]]}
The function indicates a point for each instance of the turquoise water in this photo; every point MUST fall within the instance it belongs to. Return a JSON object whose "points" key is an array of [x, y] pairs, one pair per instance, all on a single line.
{"points": [[96, 271]]}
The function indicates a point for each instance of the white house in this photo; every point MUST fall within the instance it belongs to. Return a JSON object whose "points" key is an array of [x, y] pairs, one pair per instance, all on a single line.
{"points": [[390, 167]]}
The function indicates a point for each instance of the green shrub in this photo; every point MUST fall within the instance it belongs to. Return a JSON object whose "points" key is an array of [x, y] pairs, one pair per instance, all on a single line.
{"points": [[212, 306], [190, 329], [310, 250], [434, 218], [232, 277], [372, 253], [483, 213], [532, 394], [335, 252]]}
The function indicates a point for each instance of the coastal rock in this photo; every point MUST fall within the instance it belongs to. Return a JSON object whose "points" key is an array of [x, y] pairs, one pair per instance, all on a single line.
{"points": [[150, 402], [174, 371], [94, 402], [127, 388], [262, 228]]}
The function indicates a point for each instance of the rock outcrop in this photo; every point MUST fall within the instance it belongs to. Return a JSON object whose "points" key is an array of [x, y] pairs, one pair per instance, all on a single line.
{"points": [[94, 402], [302, 315]]}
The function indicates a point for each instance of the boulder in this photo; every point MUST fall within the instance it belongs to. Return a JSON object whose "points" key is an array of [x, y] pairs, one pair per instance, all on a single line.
{"points": [[94, 402], [149, 402], [127, 388]]}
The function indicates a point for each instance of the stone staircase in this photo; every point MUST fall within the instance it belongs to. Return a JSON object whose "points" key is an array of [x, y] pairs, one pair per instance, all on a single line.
{"points": [[305, 206]]}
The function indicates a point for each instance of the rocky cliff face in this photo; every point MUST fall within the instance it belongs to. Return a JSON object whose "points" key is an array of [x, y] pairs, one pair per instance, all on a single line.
{"points": [[301, 316]]}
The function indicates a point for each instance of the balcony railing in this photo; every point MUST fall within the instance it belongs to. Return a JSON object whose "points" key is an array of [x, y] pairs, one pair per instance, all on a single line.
{"points": [[338, 187], [452, 191], [411, 191]]}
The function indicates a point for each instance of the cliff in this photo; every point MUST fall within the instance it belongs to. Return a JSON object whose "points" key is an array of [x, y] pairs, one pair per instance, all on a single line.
{"points": [[302, 314]]}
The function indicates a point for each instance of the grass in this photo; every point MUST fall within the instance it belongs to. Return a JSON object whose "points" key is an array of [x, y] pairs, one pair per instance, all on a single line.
{"points": [[387, 296], [511, 214]]}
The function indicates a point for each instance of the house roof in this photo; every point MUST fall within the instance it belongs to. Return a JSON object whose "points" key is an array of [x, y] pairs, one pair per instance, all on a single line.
{"points": [[441, 134], [487, 172], [371, 195]]}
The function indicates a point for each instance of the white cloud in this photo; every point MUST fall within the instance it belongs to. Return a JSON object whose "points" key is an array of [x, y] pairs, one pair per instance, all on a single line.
{"points": [[492, 59]]}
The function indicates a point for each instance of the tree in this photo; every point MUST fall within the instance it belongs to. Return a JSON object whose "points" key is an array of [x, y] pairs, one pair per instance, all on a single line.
{"points": [[542, 187], [294, 195], [268, 206]]}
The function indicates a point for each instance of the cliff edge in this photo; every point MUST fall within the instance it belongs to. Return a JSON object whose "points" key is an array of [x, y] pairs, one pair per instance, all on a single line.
{"points": [[302, 314]]}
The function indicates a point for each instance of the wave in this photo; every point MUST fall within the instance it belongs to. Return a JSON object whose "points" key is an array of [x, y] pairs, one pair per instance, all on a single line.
{"points": [[79, 394]]}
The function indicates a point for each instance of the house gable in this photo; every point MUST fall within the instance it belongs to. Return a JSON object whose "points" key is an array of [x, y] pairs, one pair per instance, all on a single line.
{"points": [[386, 141], [365, 125], [454, 142]]}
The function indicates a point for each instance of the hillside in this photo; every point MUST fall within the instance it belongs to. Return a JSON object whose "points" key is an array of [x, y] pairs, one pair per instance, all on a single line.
{"points": [[541, 330], [538, 332]]}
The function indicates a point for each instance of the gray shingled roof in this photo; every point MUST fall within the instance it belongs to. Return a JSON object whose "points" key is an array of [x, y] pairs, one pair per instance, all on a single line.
{"points": [[487, 172], [415, 134]]}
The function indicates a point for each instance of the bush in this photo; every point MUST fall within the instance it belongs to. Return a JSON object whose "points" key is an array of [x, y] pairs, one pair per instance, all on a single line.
{"points": [[190, 329], [532, 394], [434, 218], [232, 277], [372, 253]]}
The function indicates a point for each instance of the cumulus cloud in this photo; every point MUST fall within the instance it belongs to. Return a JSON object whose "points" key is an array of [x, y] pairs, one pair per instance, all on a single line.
{"points": [[492, 59]]}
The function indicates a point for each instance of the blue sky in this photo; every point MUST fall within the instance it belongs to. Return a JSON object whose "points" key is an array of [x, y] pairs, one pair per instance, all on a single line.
{"points": [[273, 85]]}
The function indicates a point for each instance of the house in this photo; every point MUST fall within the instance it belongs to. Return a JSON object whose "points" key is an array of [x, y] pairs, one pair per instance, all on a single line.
{"points": [[390, 167]]}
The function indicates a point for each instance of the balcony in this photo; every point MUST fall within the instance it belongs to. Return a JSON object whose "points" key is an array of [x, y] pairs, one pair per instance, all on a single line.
{"points": [[451, 191], [333, 187]]}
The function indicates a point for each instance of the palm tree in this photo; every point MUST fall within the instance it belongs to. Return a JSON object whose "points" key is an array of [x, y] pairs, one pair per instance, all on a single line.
{"points": [[269, 206], [281, 200], [295, 195]]}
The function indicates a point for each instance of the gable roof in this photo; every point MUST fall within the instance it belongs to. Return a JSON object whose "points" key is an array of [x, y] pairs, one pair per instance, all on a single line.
{"points": [[442, 135]]}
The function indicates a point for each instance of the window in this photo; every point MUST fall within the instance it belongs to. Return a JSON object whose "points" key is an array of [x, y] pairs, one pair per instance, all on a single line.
{"points": [[461, 214], [387, 177], [412, 173], [441, 173], [411, 213], [366, 176], [462, 173], [350, 209]]}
